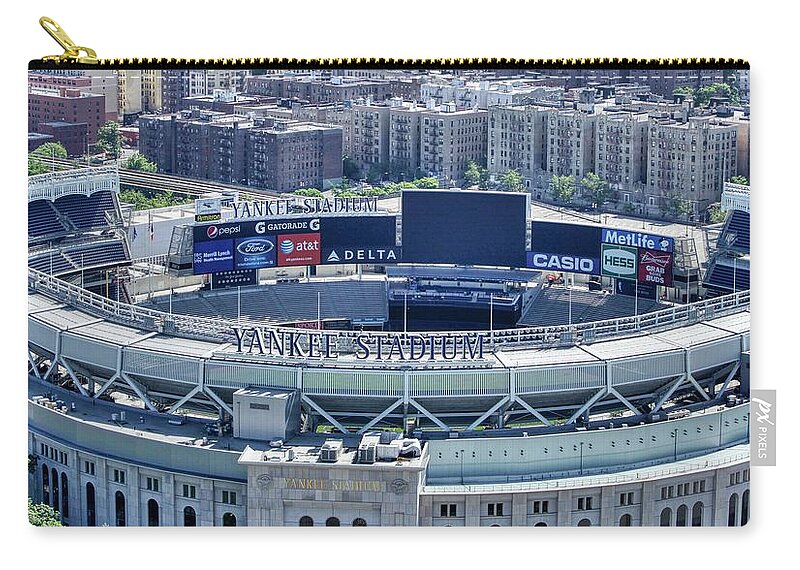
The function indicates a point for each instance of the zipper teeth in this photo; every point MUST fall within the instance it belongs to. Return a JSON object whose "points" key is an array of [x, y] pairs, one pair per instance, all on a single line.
{"points": [[366, 62]]}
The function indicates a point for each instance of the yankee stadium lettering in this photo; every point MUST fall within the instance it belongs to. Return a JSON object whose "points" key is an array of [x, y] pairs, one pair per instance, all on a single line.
{"points": [[410, 347], [283, 207]]}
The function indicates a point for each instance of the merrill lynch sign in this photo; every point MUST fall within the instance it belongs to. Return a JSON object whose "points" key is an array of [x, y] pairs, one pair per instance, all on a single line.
{"points": [[407, 347]]}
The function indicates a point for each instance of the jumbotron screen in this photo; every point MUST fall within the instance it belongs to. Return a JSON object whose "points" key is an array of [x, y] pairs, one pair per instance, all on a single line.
{"points": [[464, 227]]}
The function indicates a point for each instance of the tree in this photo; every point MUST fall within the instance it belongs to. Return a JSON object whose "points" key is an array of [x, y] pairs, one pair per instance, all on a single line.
{"points": [[35, 166], [138, 161], [313, 192], [512, 181], [702, 96], [109, 140], [428, 182], [715, 214], [739, 180], [42, 515], [597, 189], [676, 206], [472, 175], [51, 150], [563, 188]]}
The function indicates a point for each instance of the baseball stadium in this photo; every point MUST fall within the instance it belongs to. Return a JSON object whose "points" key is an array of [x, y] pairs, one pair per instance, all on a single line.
{"points": [[435, 358]]}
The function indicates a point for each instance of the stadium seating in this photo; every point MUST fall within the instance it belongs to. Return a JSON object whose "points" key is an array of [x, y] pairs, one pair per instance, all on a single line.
{"points": [[86, 212], [42, 219]]}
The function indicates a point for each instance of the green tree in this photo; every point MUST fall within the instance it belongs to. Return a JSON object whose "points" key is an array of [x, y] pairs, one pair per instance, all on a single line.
{"points": [[703, 96], [597, 189], [715, 214], [42, 515], [138, 161], [142, 201], [563, 188], [511, 181], [683, 90], [35, 166], [472, 175], [739, 180], [676, 206], [109, 139], [428, 182], [313, 192], [51, 149]]}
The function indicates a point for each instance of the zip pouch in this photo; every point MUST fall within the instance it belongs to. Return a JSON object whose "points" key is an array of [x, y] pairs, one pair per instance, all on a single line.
{"points": [[477, 292]]}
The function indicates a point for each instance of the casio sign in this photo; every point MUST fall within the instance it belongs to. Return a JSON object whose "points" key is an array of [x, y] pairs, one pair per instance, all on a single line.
{"points": [[256, 246], [562, 262]]}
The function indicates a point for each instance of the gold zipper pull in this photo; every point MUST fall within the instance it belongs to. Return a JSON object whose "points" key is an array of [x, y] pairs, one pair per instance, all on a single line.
{"points": [[72, 53]]}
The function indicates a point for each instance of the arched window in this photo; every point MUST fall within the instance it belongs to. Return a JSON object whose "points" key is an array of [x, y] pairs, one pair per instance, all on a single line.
{"points": [[332, 521], [585, 522], [680, 518], [359, 522], [228, 519], [54, 482], [119, 508], [625, 520], [666, 517], [697, 514], [45, 485], [64, 495], [189, 517], [540, 524], [307, 521], [733, 506], [745, 507], [152, 513], [90, 517]]}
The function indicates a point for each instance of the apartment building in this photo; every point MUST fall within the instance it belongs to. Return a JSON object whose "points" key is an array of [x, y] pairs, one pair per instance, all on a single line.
{"points": [[621, 149], [450, 138], [690, 159], [518, 139], [65, 105], [570, 143]]}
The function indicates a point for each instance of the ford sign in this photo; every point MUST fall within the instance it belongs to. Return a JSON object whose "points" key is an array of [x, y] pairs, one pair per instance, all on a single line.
{"points": [[255, 246]]}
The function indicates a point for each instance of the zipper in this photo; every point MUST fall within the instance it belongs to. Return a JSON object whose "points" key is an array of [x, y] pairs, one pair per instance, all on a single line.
{"points": [[73, 59]]}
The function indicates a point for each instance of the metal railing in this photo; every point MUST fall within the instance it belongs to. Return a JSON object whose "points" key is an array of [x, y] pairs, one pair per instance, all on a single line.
{"points": [[216, 329]]}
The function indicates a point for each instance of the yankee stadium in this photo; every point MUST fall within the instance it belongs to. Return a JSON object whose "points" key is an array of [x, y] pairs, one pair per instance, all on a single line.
{"points": [[383, 298], [464, 383]]}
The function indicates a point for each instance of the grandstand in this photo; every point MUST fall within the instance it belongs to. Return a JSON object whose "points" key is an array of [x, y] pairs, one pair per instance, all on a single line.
{"points": [[75, 229], [364, 303], [729, 265]]}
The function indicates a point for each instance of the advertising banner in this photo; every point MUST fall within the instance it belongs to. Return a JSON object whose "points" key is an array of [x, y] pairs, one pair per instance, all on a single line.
{"points": [[299, 249], [255, 253], [634, 288], [212, 257], [370, 255], [639, 240], [655, 267], [566, 263], [619, 261]]}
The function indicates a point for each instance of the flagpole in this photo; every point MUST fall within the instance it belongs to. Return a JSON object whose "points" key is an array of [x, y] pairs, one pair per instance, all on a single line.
{"points": [[405, 311], [569, 275], [319, 312], [238, 303], [491, 317]]}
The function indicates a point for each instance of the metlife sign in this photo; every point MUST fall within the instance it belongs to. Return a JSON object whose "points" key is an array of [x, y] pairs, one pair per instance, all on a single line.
{"points": [[638, 240], [619, 261]]}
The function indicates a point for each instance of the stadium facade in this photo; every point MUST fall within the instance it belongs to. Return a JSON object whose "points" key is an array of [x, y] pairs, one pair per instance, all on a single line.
{"points": [[144, 417]]}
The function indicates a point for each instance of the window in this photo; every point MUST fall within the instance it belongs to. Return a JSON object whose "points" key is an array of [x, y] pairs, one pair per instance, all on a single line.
{"points": [[584, 503], [64, 495], [495, 509], [332, 521], [229, 497], [733, 506], [88, 467], [447, 510], [540, 507], [666, 517], [119, 476], [745, 507], [90, 508], [625, 520], [680, 518], [151, 484], [585, 522], [307, 521], [152, 513], [359, 522], [697, 514], [119, 508], [189, 517], [228, 519], [626, 498]]}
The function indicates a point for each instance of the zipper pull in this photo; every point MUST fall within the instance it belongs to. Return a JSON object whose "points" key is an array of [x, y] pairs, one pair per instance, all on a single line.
{"points": [[72, 53]]}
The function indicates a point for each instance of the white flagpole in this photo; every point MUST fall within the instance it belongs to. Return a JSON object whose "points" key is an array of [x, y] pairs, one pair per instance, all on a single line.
{"points": [[569, 277], [491, 317], [636, 298], [238, 303], [734, 274], [170, 300], [319, 312], [405, 311]]}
